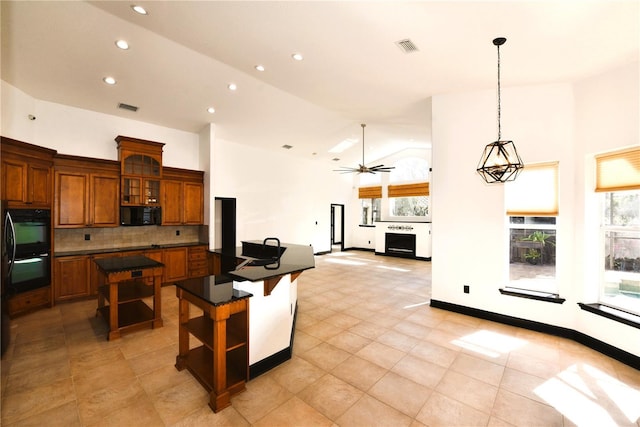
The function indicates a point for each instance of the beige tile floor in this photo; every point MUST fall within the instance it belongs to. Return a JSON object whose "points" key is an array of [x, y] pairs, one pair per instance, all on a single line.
{"points": [[368, 351]]}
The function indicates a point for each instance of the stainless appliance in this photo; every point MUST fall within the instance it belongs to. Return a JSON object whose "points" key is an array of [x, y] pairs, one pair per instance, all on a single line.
{"points": [[140, 215], [27, 243], [4, 304]]}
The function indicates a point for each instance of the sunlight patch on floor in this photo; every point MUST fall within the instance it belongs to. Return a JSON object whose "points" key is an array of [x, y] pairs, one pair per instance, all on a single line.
{"points": [[345, 261], [416, 305], [385, 267], [489, 343], [583, 393]]}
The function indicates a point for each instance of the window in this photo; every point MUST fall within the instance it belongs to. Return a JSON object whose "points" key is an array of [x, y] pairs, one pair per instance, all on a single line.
{"points": [[532, 209], [409, 169], [618, 179], [409, 200], [370, 198]]}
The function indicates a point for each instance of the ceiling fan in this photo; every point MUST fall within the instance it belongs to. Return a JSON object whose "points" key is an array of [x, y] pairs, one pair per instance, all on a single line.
{"points": [[362, 168]]}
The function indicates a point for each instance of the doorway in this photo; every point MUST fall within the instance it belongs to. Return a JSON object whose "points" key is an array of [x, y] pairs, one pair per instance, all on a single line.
{"points": [[337, 227]]}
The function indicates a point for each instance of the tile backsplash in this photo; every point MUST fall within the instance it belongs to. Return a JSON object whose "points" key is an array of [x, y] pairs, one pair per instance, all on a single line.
{"points": [[74, 239]]}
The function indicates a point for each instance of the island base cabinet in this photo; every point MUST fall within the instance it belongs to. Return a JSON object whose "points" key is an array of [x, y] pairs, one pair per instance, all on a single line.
{"points": [[221, 363]]}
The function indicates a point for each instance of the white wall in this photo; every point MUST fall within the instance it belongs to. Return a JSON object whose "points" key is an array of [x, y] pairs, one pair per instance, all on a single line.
{"points": [[277, 195], [547, 123], [79, 132]]}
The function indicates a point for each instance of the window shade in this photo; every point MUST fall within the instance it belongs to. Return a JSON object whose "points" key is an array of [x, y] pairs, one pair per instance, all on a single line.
{"points": [[409, 190], [534, 192], [370, 192], [618, 171]]}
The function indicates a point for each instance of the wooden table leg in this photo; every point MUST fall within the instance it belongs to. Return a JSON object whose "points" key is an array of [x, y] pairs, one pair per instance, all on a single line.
{"points": [[114, 331], [183, 334]]}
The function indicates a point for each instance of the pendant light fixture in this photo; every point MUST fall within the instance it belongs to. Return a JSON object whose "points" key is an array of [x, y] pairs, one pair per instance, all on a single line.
{"points": [[362, 168], [500, 161]]}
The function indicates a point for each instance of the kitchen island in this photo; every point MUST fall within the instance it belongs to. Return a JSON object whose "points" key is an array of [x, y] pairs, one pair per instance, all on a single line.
{"points": [[221, 362], [124, 282], [270, 275]]}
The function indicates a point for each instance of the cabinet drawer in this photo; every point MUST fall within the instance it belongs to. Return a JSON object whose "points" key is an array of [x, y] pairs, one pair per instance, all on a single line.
{"points": [[24, 302], [199, 254]]}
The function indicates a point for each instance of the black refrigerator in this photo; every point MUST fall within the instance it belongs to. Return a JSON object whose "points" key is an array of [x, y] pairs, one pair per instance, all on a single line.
{"points": [[5, 326]]}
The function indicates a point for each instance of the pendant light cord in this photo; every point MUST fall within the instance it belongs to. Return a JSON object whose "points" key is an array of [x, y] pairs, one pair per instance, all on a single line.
{"points": [[499, 127]]}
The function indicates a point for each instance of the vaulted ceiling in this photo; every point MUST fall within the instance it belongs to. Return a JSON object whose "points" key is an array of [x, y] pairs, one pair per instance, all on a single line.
{"points": [[183, 54]]}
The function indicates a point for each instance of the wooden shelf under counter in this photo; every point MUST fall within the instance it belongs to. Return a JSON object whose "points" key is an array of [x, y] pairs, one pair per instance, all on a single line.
{"points": [[124, 282], [221, 363]]}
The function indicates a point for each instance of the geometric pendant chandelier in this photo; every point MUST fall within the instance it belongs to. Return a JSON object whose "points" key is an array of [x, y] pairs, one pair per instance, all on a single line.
{"points": [[500, 161]]}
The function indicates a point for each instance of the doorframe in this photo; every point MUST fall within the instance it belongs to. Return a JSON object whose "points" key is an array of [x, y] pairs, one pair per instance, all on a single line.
{"points": [[332, 227]]}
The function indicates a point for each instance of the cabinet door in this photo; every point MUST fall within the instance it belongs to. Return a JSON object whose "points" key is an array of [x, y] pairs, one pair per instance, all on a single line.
{"points": [[14, 181], [175, 264], [193, 203], [71, 278], [172, 202], [39, 185], [71, 200], [104, 206]]}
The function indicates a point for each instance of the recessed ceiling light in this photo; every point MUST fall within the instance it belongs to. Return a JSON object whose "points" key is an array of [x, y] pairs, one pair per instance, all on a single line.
{"points": [[122, 44], [260, 67], [211, 110], [139, 9], [232, 86], [287, 146], [109, 80], [297, 56]]}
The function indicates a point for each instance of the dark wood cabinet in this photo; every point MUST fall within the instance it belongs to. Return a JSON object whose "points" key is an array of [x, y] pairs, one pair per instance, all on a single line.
{"points": [[140, 171], [26, 174], [175, 264], [198, 264], [86, 192], [72, 278], [182, 197]]}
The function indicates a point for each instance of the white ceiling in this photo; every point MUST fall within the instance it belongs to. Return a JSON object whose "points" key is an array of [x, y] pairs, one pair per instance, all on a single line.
{"points": [[184, 53]]}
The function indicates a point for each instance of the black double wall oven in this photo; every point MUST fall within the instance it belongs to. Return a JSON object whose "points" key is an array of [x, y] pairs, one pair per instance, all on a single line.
{"points": [[27, 242]]}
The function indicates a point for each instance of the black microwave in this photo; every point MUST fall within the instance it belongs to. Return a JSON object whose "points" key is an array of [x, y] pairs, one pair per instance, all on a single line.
{"points": [[140, 215]]}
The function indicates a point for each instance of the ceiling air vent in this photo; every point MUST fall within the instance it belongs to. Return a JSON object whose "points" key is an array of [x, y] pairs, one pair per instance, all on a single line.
{"points": [[128, 107], [407, 46]]}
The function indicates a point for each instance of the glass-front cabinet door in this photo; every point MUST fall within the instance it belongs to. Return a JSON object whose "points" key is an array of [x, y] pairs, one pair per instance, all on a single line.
{"points": [[141, 170]]}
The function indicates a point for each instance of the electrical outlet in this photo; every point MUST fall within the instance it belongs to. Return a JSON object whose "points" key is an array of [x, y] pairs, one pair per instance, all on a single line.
{"points": [[87, 237], [177, 232], [466, 289]]}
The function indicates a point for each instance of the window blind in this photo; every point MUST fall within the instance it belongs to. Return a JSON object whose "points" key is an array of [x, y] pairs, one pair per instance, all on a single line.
{"points": [[409, 190], [618, 171], [534, 192], [370, 192]]}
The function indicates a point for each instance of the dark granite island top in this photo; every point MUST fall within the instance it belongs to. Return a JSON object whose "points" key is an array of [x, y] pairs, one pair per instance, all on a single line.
{"points": [[127, 263], [293, 259], [215, 290]]}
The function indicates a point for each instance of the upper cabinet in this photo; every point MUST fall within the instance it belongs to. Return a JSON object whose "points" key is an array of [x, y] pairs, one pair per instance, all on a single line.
{"points": [[182, 197], [140, 170], [86, 192], [26, 174]]}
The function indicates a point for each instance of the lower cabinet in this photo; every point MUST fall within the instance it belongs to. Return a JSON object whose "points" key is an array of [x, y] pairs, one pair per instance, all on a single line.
{"points": [[71, 278], [25, 302], [77, 276], [175, 264], [198, 265]]}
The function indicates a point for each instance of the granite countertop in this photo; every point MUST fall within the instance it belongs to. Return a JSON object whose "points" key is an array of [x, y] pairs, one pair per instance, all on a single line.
{"points": [[126, 263], [216, 290], [125, 249], [294, 258]]}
